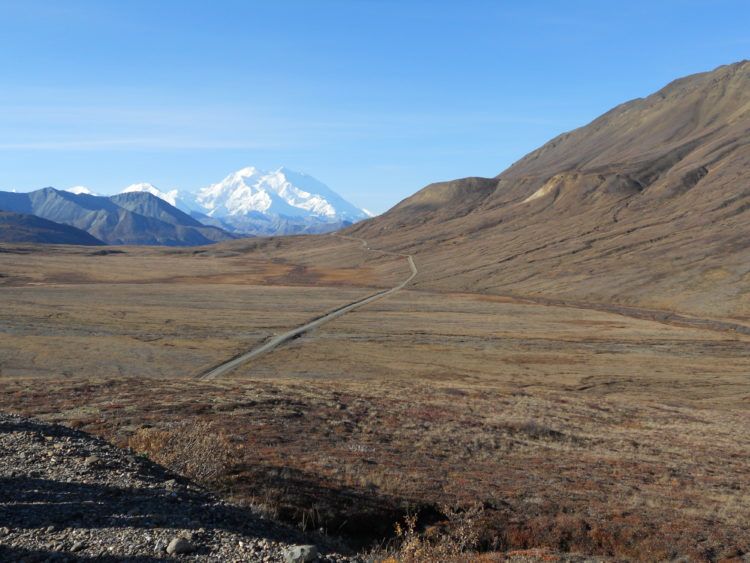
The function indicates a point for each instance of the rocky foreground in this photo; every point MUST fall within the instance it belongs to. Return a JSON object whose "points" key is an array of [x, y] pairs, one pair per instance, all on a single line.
{"points": [[68, 496]]}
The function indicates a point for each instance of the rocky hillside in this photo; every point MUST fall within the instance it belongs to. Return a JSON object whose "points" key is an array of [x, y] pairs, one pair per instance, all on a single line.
{"points": [[65, 495], [648, 205]]}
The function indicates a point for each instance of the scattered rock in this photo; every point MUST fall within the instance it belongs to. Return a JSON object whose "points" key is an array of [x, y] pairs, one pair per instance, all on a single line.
{"points": [[301, 554], [178, 546], [92, 461], [122, 511]]}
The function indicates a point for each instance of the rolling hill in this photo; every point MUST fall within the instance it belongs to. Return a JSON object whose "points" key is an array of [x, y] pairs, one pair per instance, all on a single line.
{"points": [[648, 205]]}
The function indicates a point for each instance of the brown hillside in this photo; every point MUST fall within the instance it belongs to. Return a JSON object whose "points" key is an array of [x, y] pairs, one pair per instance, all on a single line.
{"points": [[648, 205]]}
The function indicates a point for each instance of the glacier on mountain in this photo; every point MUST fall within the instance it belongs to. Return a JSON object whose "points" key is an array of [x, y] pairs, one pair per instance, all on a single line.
{"points": [[81, 190], [259, 202]]}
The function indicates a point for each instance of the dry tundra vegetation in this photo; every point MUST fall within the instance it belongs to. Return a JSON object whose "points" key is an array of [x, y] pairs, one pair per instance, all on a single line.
{"points": [[435, 425]]}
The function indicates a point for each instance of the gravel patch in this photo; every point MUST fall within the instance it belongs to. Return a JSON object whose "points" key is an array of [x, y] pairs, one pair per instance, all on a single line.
{"points": [[68, 496]]}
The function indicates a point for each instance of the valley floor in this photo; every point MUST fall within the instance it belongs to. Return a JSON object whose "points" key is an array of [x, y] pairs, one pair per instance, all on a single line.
{"points": [[568, 429]]}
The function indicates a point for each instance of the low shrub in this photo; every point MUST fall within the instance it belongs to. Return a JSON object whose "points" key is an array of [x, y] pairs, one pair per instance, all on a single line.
{"points": [[195, 450]]}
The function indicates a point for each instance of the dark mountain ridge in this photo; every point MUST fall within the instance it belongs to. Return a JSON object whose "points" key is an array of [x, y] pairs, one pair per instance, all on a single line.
{"points": [[21, 227], [133, 218], [154, 207]]}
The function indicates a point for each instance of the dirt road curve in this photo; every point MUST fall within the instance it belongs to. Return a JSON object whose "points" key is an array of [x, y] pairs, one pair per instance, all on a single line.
{"points": [[280, 339]]}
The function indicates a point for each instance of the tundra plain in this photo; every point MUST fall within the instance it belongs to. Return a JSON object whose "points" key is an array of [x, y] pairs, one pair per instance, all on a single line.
{"points": [[558, 427]]}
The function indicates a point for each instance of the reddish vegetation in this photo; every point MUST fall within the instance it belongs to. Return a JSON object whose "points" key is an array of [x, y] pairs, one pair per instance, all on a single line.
{"points": [[642, 481], [517, 399]]}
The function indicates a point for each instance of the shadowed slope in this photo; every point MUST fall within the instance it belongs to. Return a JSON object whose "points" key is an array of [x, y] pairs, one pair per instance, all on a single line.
{"points": [[133, 218], [21, 227]]}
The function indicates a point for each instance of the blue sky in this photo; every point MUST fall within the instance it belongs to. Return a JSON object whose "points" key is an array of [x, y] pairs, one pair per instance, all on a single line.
{"points": [[376, 98]]}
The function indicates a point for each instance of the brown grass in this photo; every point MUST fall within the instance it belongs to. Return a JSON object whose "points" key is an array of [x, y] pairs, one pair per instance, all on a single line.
{"points": [[572, 431], [608, 477], [197, 450]]}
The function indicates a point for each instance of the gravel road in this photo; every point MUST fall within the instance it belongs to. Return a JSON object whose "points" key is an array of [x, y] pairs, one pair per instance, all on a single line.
{"points": [[285, 337]]}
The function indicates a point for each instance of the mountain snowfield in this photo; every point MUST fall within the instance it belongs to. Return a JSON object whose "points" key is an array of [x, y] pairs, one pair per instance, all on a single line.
{"points": [[81, 190], [259, 202], [183, 202], [170, 197]]}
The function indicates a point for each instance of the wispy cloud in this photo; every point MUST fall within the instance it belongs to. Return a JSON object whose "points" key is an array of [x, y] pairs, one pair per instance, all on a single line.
{"points": [[67, 120], [133, 144], [50, 129]]}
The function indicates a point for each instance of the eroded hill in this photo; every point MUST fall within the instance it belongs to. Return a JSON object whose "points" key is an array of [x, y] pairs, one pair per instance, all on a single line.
{"points": [[648, 205]]}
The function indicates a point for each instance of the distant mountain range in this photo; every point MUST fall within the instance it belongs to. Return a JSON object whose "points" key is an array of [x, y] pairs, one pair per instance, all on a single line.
{"points": [[134, 218], [248, 202], [257, 202]]}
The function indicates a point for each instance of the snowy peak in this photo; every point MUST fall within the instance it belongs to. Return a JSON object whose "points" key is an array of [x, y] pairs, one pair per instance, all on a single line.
{"points": [[170, 197], [259, 202], [248, 172], [80, 190], [183, 202], [279, 193]]}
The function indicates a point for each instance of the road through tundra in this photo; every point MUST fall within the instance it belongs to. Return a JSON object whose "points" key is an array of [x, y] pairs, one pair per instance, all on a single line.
{"points": [[285, 337]]}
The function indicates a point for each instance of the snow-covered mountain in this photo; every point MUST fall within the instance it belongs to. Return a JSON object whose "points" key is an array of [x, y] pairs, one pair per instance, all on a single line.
{"points": [[170, 197], [81, 190], [182, 201], [258, 202]]}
